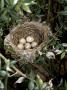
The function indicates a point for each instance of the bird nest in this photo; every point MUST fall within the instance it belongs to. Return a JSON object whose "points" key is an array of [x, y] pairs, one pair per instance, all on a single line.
{"points": [[35, 29]]}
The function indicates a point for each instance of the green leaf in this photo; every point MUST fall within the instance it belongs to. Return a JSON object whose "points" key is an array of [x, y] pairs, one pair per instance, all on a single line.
{"points": [[32, 75], [2, 4], [63, 13], [15, 2], [62, 55], [62, 1], [26, 8], [17, 8], [64, 45], [13, 62], [1, 85], [31, 85], [40, 81], [11, 2], [3, 73], [65, 8], [65, 85], [20, 80], [1, 31]]}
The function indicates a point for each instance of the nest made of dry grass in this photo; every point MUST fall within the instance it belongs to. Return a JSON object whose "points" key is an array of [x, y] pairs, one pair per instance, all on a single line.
{"points": [[35, 29]]}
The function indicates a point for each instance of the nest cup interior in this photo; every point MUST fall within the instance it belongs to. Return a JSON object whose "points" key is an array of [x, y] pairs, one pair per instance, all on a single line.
{"points": [[28, 29]]}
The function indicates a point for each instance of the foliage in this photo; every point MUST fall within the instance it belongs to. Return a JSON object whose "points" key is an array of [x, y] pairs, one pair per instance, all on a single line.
{"points": [[53, 12], [40, 74], [11, 12]]}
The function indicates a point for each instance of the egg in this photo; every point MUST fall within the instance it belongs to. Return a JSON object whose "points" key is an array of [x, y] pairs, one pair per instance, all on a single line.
{"points": [[34, 44], [22, 40], [30, 39], [27, 46], [20, 46]]}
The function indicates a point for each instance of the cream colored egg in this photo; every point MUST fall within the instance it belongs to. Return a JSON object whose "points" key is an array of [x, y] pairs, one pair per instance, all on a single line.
{"points": [[34, 44], [30, 39], [27, 46], [20, 46], [22, 40]]}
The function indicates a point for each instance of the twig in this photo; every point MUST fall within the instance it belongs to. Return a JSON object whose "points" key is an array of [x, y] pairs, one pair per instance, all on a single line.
{"points": [[0, 63], [1, 56], [6, 79], [18, 72]]}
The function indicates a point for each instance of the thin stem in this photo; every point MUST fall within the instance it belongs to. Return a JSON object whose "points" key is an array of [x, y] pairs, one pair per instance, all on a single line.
{"points": [[48, 17], [0, 63], [6, 79], [1, 56], [17, 71]]}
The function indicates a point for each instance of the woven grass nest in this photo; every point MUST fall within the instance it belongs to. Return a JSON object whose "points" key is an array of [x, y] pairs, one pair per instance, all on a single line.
{"points": [[35, 29]]}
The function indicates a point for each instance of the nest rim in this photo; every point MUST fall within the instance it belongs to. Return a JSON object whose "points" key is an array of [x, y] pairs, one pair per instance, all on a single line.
{"points": [[36, 25]]}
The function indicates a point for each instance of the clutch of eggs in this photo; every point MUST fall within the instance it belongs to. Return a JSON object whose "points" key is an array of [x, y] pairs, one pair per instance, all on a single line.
{"points": [[27, 43]]}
